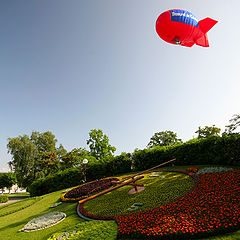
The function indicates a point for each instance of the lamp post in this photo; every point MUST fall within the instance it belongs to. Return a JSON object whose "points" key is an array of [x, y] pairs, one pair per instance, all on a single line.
{"points": [[85, 162]]}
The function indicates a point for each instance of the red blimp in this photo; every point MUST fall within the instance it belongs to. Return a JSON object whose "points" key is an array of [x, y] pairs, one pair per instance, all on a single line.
{"points": [[182, 27]]}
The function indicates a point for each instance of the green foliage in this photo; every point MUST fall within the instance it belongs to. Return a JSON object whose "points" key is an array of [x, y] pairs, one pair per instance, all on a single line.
{"points": [[74, 158], [234, 123], [25, 153], [165, 138], [99, 144], [48, 162], [120, 164], [216, 150], [94, 230], [158, 191], [60, 180], [60, 151], [97, 170], [3, 198], [7, 180], [208, 131], [45, 142], [109, 166], [147, 158]]}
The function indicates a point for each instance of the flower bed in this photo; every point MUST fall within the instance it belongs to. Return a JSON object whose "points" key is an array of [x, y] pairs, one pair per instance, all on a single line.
{"points": [[85, 190], [192, 169], [44, 221], [213, 169], [212, 208]]}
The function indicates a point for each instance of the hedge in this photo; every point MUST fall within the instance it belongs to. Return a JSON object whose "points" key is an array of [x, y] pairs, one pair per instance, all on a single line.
{"points": [[215, 150], [60, 180], [109, 167], [3, 198]]}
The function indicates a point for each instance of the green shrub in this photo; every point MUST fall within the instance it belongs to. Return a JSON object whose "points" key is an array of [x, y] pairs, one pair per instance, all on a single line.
{"points": [[3, 198], [120, 164], [60, 180], [108, 167], [215, 150], [147, 158], [97, 170]]}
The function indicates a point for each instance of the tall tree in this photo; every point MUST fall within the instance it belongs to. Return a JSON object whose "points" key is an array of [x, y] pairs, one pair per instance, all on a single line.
{"points": [[45, 142], [61, 151], [48, 162], [208, 131], [234, 123], [26, 157], [74, 158], [24, 153], [164, 138], [99, 144]]}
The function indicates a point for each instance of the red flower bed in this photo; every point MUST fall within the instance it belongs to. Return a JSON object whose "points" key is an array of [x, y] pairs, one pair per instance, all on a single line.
{"points": [[212, 208], [89, 188], [192, 169]]}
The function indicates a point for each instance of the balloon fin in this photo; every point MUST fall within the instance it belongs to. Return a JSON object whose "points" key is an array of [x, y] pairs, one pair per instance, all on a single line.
{"points": [[206, 24], [203, 41]]}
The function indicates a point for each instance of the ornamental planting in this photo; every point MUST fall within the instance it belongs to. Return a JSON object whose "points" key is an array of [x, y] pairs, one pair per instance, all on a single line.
{"points": [[212, 208], [85, 190], [43, 221]]}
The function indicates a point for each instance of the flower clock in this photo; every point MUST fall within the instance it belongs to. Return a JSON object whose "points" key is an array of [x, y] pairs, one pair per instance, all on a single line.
{"points": [[213, 207]]}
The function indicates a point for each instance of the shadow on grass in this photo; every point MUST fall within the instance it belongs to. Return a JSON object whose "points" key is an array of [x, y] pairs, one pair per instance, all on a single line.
{"points": [[18, 198]]}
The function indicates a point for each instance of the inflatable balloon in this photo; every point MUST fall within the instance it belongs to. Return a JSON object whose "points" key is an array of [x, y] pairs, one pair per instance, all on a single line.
{"points": [[182, 27]]}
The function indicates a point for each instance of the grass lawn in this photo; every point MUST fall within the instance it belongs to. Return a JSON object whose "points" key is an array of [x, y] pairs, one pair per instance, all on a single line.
{"points": [[11, 223], [18, 195], [14, 216]]}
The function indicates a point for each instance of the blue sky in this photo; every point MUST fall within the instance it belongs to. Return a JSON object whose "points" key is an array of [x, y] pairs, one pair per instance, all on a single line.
{"points": [[72, 66]]}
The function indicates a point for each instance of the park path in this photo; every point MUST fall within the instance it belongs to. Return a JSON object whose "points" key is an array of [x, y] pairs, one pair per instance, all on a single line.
{"points": [[12, 201]]}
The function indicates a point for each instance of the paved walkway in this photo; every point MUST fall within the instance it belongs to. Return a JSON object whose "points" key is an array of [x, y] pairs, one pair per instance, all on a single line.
{"points": [[12, 201]]}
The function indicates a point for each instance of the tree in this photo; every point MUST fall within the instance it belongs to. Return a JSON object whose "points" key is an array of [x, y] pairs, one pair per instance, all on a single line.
{"points": [[74, 158], [61, 151], [45, 142], [234, 124], [7, 180], [164, 138], [48, 162], [99, 144], [26, 157], [207, 131], [24, 153], [11, 179]]}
